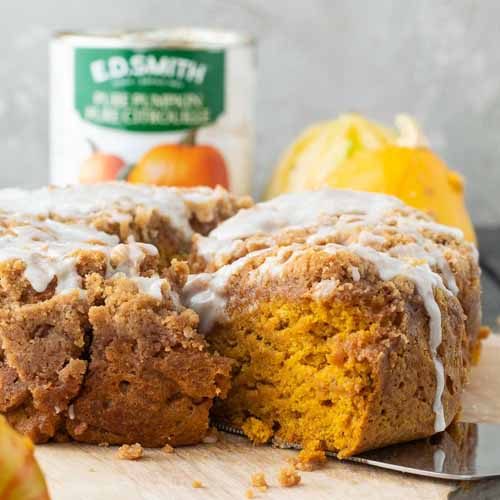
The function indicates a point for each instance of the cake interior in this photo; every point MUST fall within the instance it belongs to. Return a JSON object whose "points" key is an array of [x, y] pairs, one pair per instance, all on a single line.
{"points": [[294, 379]]}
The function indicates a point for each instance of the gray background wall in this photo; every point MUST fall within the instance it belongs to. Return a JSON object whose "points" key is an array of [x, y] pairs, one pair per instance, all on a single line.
{"points": [[436, 59]]}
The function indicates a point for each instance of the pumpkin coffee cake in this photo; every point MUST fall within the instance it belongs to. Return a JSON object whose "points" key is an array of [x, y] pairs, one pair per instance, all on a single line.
{"points": [[95, 344], [351, 317], [346, 320]]}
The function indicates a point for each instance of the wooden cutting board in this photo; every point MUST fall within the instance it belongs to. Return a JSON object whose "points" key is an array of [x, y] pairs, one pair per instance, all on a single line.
{"points": [[78, 472]]}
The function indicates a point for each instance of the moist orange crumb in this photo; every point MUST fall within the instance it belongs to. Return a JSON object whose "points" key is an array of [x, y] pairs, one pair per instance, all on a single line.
{"points": [[308, 460], [288, 477], [168, 449], [130, 452], [249, 493], [256, 430], [197, 484], [259, 481]]}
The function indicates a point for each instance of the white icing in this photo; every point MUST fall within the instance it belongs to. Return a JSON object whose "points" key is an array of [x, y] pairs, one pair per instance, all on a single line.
{"points": [[48, 250], [130, 257], [369, 239], [439, 457], [340, 215], [149, 286], [431, 254], [206, 293], [355, 274], [324, 289], [301, 209]]}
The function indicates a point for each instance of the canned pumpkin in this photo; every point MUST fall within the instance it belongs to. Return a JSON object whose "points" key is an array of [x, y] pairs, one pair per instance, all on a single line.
{"points": [[168, 107]]}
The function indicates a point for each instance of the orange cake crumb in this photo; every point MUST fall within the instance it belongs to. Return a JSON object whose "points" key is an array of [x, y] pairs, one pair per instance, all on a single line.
{"points": [[130, 452], [308, 460], [288, 477], [259, 481], [168, 449], [249, 493], [197, 484], [256, 430]]}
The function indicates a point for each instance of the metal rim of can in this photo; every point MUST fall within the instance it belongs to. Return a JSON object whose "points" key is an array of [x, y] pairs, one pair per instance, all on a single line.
{"points": [[182, 37]]}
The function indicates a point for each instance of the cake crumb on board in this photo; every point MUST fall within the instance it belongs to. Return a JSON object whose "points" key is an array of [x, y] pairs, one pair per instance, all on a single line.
{"points": [[197, 484], [249, 493], [288, 477], [308, 460], [130, 452], [258, 479], [168, 449]]}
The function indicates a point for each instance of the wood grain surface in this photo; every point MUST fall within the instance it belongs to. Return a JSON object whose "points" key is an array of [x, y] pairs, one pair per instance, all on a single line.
{"points": [[78, 472]]}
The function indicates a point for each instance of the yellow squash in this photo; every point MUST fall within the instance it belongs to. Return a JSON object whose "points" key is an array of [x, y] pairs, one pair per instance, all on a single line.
{"points": [[20, 476], [352, 152]]}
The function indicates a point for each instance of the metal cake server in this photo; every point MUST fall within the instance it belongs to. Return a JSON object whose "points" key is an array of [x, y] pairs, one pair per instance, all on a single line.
{"points": [[464, 452]]}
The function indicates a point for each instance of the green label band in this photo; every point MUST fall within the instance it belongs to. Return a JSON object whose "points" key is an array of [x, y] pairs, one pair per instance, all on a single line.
{"points": [[151, 90]]}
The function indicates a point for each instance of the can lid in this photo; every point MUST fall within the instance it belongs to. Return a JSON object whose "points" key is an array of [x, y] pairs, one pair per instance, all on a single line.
{"points": [[182, 37]]}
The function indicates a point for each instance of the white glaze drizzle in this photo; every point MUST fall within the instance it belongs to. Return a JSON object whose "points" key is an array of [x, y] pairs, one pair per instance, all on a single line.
{"points": [[349, 215], [324, 289], [355, 274], [206, 292], [48, 250], [439, 458]]}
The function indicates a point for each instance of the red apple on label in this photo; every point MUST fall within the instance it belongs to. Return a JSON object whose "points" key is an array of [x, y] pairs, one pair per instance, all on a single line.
{"points": [[100, 167]]}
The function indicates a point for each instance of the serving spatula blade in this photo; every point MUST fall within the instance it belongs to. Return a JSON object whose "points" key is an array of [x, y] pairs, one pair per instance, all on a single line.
{"points": [[465, 452]]}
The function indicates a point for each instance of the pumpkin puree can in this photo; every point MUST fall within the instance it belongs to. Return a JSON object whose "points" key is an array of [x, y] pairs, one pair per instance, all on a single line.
{"points": [[172, 107]]}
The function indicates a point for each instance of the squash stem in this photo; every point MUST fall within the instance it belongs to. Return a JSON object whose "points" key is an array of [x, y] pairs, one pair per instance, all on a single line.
{"points": [[190, 138]]}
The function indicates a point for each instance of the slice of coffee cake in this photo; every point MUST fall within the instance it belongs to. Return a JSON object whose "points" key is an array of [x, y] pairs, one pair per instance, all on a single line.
{"points": [[95, 342]]}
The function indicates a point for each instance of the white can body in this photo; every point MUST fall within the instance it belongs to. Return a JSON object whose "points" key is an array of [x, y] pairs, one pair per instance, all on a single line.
{"points": [[115, 98]]}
